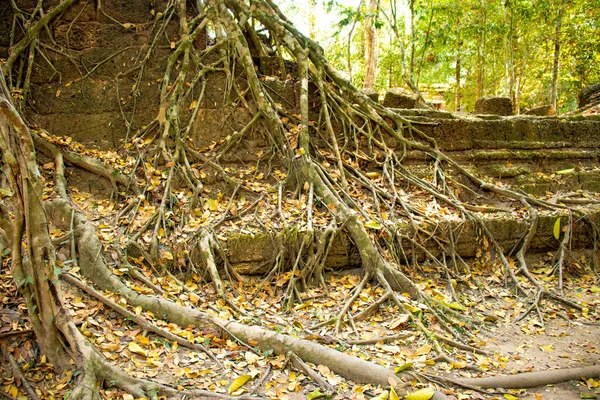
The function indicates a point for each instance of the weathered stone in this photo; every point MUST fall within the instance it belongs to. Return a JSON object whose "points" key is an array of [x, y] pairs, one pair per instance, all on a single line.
{"points": [[372, 94], [541, 111], [494, 106], [589, 95], [399, 98]]}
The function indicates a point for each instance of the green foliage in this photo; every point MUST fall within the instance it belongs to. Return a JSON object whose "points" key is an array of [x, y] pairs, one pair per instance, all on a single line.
{"points": [[494, 40]]}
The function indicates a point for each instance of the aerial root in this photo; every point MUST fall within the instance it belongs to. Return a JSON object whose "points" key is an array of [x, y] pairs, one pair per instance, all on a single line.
{"points": [[301, 366], [206, 244], [93, 267], [146, 325], [18, 375]]}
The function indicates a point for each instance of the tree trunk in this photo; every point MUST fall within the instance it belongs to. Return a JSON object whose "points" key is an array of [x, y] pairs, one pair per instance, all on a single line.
{"points": [[32, 265], [457, 72], [556, 59], [371, 44], [481, 51], [511, 60]]}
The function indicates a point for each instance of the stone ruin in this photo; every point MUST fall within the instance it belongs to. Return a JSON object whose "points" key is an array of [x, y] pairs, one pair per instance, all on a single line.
{"points": [[529, 153]]}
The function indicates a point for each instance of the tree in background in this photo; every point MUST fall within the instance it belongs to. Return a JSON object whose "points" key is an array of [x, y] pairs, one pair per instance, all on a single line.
{"points": [[483, 47]]}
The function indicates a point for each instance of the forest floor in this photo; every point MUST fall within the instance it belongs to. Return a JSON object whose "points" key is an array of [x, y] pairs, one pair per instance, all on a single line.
{"points": [[565, 339]]}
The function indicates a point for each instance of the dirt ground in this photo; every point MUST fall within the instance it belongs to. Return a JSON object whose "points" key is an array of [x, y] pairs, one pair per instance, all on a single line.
{"points": [[564, 341]]}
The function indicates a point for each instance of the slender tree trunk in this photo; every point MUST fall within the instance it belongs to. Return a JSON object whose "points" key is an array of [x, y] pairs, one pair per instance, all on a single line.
{"points": [[458, 65], [371, 44], [427, 34], [556, 62], [481, 51], [511, 55], [412, 40], [312, 23], [349, 44]]}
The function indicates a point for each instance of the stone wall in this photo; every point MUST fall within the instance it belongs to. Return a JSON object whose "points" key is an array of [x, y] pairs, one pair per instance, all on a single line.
{"points": [[90, 93]]}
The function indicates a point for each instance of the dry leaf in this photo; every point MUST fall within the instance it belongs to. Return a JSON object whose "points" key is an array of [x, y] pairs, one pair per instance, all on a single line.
{"points": [[136, 348], [421, 394], [239, 382]]}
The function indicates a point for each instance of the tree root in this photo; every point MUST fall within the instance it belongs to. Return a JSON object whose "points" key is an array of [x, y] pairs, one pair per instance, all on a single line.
{"points": [[533, 379], [93, 267]]}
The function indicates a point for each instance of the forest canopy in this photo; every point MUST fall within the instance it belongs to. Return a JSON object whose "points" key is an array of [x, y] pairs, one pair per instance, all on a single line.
{"points": [[494, 47]]}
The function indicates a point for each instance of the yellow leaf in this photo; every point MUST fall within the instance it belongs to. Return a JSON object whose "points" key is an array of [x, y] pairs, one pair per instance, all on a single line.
{"points": [[213, 205], [459, 364], [315, 395], [373, 224], [424, 350], [547, 348], [556, 229], [421, 394], [239, 382], [136, 348], [193, 105], [167, 255], [143, 340], [393, 394], [595, 289], [455, 306], [381, 396], [587, 396], [508, 396], [14, 391], [565, 171], [412, 308], [403, 367]]}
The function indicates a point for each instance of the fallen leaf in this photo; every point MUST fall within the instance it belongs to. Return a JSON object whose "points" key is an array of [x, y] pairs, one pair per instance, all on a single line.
{"points": [[372, 224], [136, 348], [421, 394], [565, 171], [316, 394], [239, 382], [403, 367], [556, 229], [381, 396]]}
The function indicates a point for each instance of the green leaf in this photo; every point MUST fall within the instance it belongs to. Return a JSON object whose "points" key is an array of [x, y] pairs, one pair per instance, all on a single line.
{"points": [[421, 394], [565, 171], [381, 396], [315, 395], [556, 229], [455, 306], [403, 367], [373, 224]]}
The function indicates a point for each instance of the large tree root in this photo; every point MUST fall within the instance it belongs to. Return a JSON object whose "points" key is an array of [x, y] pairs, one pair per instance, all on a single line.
{"points": [[533, 379], [92, 266], [306, 147]]}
